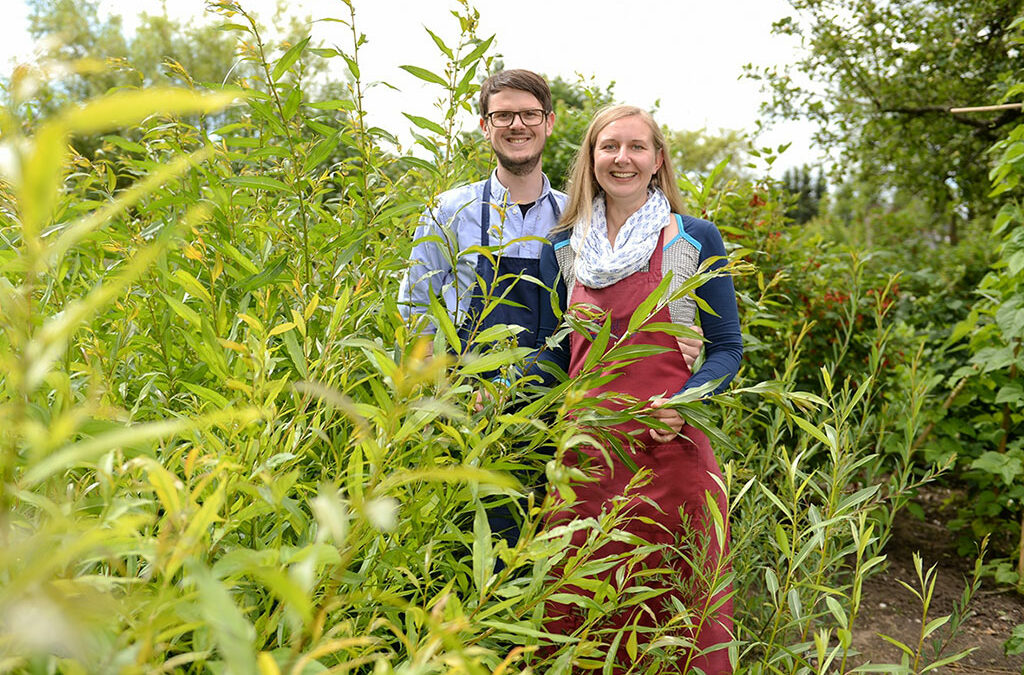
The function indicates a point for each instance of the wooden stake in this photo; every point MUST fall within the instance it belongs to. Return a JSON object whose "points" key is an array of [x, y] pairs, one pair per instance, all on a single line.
{"points": [[986, 108]]}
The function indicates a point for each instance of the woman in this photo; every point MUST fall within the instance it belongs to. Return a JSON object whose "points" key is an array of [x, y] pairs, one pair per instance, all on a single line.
{"points": [[619, 233]]}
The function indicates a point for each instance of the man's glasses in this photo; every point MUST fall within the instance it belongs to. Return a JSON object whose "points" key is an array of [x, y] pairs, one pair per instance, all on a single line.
{"points": [[505, 118]]}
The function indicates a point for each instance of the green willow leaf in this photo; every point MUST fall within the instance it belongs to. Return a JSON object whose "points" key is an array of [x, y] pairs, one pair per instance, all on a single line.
{"points": [[259, 183], [440, 44], [473, 365], [333, 104], [288, 59], [268, 275], [477, 52], [424, 74], [320, 152], [295, 353], [598, 345], [353, 67], [233, 635], [643, 311], [424, 123]]}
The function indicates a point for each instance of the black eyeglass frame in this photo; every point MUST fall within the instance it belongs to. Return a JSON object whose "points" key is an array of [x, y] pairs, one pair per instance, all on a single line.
{"points": [[516, 113]]}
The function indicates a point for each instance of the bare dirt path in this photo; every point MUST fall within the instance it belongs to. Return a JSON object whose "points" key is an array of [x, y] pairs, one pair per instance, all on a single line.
{"points": [[891, 609]]}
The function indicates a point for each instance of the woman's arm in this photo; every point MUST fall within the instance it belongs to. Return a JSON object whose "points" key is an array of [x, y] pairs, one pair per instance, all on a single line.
{"points": [[723, 347]]}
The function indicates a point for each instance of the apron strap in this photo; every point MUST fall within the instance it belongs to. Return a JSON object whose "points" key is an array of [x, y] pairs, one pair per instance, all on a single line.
{"points": [[485, 214], [554, 207]]}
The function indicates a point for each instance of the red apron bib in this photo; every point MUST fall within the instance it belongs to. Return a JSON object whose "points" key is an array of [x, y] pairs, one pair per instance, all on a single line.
{"points": [[681, 476]]}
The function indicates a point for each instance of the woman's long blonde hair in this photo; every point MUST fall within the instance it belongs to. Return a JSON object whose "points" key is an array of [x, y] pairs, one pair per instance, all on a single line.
{"points": [[583, 185]]}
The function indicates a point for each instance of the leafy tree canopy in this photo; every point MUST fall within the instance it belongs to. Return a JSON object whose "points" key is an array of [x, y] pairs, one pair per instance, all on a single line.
{"points": [[94, 55], [162, 50], [697, 152], [575, 104], [880, 79], [694, 152]]}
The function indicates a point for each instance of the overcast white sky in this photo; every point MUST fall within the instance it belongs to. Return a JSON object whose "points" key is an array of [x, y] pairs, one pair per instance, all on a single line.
{"points": [[688, 55]]}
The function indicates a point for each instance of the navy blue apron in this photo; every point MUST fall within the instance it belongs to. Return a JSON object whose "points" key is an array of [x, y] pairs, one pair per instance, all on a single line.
{"points": [[525, 312], [524, 295]]}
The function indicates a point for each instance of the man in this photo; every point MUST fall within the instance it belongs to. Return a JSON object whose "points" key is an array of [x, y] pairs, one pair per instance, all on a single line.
{"points": [[514, 202]]}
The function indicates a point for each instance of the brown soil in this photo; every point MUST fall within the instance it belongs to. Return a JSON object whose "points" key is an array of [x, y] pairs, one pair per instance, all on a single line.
{"points": [[890, 609]]}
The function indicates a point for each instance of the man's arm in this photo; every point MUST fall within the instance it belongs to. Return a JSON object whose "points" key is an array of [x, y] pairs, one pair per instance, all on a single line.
{"points": [[429, 267]]}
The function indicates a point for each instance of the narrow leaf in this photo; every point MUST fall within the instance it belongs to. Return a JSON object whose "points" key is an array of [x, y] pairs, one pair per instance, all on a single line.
{"points": [[258, 182], [289, 58], [295, 353], [476, 53], [424, 123], [232, 633], [425, 75]]}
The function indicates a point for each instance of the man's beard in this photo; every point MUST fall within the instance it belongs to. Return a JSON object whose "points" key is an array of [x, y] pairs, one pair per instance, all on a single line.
{"points": [[518, 167]]}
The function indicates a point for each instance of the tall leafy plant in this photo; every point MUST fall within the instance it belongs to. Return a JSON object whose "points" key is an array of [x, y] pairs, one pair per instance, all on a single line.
{"points": [[223, 451]]}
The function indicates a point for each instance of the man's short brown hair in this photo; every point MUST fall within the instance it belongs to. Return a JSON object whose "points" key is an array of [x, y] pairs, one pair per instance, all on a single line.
{"points": [[522, 80]]}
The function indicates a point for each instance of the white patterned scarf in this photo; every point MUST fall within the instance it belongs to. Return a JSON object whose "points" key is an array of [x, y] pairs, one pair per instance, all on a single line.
{"points": [[598, 264]]}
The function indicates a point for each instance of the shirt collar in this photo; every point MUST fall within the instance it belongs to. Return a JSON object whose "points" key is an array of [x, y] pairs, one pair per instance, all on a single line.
{"points": [[499, 193]]}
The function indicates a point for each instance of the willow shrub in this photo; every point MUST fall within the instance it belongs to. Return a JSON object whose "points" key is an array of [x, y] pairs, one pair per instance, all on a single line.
{"points": [[222, 451]]}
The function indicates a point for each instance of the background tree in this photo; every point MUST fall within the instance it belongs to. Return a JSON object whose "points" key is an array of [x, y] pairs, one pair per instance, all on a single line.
{"points": [[102, 57], [76, 30], [205, 52], [575, 104], [694, 152], [697, 152], [161, 51], [807, 187], [879, 79]]}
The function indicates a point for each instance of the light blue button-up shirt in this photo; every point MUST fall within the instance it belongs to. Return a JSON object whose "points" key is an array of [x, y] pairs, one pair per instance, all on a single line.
{"points": [[456, 222]]}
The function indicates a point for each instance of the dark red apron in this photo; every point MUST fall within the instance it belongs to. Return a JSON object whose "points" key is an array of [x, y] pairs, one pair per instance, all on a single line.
{"points": [[682, 472]]}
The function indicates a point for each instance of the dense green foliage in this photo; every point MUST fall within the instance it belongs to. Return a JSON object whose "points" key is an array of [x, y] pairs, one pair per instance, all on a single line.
{"points": [[877, 73], [882, 81], [994, 401], [221, 450]]}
